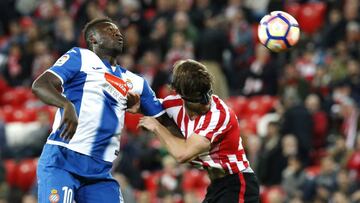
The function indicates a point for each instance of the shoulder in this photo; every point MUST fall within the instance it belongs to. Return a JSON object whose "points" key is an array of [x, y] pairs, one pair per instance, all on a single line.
{"points": [[172, 97], [219, 108], [83, 53], [73, 55], [172, 101], [76, 51], [130, 74], [132, 79], [219, 105]]}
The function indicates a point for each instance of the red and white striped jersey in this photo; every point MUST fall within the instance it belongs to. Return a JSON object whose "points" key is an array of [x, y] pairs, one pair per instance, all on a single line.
{"points": [[220, 126]]}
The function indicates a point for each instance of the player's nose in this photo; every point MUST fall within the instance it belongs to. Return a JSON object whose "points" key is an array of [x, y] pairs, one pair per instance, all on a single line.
{"points": [[118, 36]]}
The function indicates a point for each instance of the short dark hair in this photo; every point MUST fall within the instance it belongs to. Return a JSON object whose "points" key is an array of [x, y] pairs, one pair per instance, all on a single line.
{"points": [[191, 78], [90, 26]]}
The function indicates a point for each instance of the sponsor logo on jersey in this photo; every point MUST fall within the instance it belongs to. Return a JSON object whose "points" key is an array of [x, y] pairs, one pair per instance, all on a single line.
{"points": [[54, 196], [62, 60], [96, 68], [115, 86], [129, 83], [119, 84]]}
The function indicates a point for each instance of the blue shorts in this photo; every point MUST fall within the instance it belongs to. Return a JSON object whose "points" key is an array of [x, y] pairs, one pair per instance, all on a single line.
{"points": [[58, 185]]}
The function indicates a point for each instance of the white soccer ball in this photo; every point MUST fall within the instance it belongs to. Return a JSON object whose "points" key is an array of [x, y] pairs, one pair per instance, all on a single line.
{"points": [[278, 31]]}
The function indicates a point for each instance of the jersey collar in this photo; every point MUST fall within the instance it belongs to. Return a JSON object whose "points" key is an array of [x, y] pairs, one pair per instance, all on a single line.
{"points": [[115, 70]]}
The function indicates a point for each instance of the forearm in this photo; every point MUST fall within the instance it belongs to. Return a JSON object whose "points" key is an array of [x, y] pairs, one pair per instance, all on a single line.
{"points": [[183, 150], [176, 146]]}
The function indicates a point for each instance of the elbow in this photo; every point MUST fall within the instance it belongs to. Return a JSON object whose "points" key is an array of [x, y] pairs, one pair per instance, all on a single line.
{"points": [[39, 84], [35, 87]]}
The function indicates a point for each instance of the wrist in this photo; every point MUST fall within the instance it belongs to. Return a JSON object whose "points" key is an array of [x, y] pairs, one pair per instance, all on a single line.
{"points": [[67, 104]]}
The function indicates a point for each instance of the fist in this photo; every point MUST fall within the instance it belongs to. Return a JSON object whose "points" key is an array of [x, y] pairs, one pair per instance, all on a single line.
{"points": [[133, 102], [149, 123]]}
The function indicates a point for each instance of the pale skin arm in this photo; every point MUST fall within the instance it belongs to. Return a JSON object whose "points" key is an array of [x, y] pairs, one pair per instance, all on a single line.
{"points": [[183, 150]]}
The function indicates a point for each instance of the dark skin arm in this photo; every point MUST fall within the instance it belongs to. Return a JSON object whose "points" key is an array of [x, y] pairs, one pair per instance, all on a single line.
{"points": [[46, 87]]}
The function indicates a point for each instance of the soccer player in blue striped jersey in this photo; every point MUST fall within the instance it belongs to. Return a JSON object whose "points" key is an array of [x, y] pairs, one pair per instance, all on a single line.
{"points": [[92, 93]]}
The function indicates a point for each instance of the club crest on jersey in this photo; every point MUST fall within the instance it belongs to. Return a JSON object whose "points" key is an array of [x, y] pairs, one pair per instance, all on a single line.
{"points": [[62, 60], [129, 83], [115, 86], [54, 196]]}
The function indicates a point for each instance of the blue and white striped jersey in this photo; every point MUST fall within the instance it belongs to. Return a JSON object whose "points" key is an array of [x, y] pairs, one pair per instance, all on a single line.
{"points": [[98, 92]]}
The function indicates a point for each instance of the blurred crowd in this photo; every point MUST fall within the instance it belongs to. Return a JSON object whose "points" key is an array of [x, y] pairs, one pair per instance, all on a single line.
{"points": [[298, 110]]}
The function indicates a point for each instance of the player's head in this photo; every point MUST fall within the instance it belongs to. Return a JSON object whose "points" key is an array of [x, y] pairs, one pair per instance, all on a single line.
{"points": [[193, 82], [103, 34]]}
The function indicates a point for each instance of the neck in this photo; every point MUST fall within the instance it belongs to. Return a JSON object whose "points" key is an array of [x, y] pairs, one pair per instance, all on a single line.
{"points": [[106, 55], [111, 59]]}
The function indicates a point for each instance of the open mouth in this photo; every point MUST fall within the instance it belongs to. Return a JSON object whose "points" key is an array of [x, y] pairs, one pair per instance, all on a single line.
{"points": [[120, 39]]}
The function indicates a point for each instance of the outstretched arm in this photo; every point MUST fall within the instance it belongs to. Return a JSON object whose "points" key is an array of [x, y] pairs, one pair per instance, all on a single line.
{"points": [[183, 150], [148, 104], [133, 106], [46, 87]]}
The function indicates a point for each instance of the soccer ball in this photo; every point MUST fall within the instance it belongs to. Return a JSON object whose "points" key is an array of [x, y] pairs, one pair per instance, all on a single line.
{"points": [[278, 31]]}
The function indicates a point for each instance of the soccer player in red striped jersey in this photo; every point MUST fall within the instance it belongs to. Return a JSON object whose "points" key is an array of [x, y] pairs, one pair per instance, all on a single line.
{"points": [[212, 135]]}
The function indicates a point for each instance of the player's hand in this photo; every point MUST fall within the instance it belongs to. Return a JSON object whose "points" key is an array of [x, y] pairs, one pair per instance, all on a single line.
{"points": [[132, 102], [69, 122], [149, 123]]}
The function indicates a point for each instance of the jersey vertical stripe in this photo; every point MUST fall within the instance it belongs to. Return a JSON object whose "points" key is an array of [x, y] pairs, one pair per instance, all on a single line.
{"points": [[180, 117], [186, 125], [196, 123], [223, 120], [205, 125], [242, 188], [98, 102], [220, 126]]}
